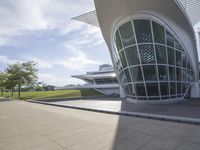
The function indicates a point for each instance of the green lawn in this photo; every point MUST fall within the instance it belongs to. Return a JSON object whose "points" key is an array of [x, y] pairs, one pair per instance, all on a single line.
{"points": [[53, 94]]}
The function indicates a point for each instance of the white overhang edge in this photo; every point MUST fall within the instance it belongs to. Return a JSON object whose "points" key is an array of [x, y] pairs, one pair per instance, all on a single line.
{"points": [[88, 18], [191, 7]]}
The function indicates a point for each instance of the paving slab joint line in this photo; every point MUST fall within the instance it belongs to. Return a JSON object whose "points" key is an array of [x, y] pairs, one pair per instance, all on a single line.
{"points": [[127, 113]]}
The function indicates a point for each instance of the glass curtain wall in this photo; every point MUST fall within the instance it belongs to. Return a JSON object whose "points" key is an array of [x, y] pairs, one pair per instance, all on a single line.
{"points": [[151, 62]]}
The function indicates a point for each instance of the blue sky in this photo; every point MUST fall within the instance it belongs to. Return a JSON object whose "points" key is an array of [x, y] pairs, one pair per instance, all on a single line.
{"points": [[41, 30]]}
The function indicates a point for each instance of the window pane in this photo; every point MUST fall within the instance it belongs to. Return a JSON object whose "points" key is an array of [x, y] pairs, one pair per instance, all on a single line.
{"points": [[183, 87], [178, 58], [143, 31], [150, 73], [136, 73], [172, 88], [158, 32], [128, 77], [183, 61], [178, 45], [178, 88], [178, 74], [152, 89], [170, 39], [140, 90], [146, 53], [123, 78], [172, 73], [163, 74], [126, 90], [132, 55], [123, 59], [164, 89], [118, 41], [171, 59], [127, 35], [131, 90], [183, 74], [188, 64], [188, 76], [161, 54]]}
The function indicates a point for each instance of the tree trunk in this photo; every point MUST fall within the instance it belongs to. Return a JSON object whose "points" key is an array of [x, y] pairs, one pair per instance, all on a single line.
{"points": [[2, 91], [12, 92], [19, 87]]}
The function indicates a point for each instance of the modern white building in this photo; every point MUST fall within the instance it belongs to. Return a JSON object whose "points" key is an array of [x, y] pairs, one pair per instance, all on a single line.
{"points": [[104, 80], [153, 46]]}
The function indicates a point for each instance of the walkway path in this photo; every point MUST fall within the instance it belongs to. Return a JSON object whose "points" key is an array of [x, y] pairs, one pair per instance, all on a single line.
{"points": [[29, 126]]}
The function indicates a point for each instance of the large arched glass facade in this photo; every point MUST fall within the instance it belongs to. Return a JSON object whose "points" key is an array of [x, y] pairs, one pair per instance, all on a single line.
{"points": [[151, 62]]}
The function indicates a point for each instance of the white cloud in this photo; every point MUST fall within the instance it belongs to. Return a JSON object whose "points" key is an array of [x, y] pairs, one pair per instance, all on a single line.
{"points": [[77, 61], [41, 63], [76, 58], [20, 16]]}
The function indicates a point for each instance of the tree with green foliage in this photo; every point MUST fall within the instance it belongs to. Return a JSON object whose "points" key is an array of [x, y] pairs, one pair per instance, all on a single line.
{"points": [[21, 74], [3, 78]]}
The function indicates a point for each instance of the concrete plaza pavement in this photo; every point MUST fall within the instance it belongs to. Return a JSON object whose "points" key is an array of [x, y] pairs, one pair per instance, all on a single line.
{"points": [[29, 126]]}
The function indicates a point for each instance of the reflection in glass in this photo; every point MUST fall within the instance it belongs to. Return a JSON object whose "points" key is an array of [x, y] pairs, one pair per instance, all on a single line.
{"points": [[140, 90], [161, 54], [164, 89], [178, 74], [152, 89], [118, 41], [136, 73], [183, 87], [143, 31], [123, 59], [172, 74], [159, 35], [184, 64], [132, 55], [150, 73], [127, 35], [178, 88], [178, 58], [171, 58], [130, 87], [128, 77], [178, 45], [162, 72], [147, 53], [170, 39], [172, 88]]}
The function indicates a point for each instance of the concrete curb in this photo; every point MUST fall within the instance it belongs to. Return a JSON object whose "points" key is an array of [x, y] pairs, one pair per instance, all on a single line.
{"points": [[126, 113], [70, 99]]}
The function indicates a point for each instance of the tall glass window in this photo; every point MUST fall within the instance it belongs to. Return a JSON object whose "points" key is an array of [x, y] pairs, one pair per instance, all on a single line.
{"points": [[161, 54], [136, 73], [147, 53], [159, 35], [118, 41], [152, 89], [150, 73], [143, 31], [171, 56], [127, 35], [132, 55], [170, 39]]}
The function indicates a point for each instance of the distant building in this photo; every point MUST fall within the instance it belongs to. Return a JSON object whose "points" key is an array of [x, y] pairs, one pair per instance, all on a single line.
{"points": [[104, 80]]}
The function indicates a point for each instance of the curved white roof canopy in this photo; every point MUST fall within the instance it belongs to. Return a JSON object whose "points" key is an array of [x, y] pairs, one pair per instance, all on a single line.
{"points": [[191, 7], [96, 76]]}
